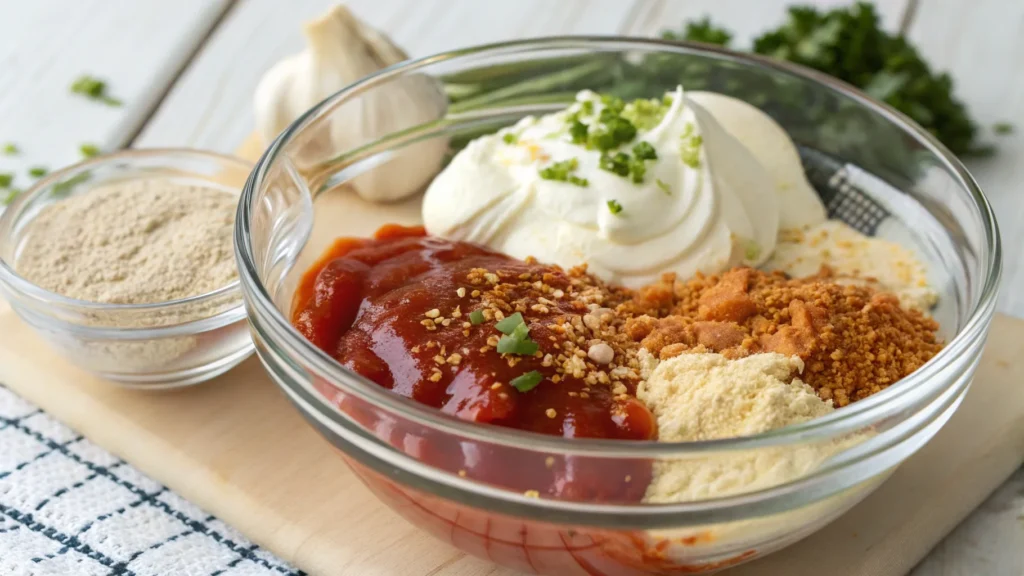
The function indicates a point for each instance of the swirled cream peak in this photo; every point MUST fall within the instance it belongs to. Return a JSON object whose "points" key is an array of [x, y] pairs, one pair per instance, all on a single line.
{"points": [[680, 195]]}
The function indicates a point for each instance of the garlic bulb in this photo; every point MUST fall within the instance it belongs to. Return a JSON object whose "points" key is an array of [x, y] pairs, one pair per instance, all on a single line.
{"points": [[340, 50]]}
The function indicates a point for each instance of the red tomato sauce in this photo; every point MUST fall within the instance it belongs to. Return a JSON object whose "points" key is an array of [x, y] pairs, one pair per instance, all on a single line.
{"points": [[368, 303]]}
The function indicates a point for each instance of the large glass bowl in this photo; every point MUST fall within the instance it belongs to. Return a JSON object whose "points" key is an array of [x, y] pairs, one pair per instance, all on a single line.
{"points": [[874, 168]]}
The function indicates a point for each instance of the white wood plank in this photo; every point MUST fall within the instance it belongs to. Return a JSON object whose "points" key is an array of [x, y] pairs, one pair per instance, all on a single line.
{"points": [[137, 47], [211, 107], [980, 44], [987, 542], [745, 19]]}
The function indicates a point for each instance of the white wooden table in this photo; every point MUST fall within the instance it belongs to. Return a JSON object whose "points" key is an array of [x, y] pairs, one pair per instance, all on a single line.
{"points": [[186, 70]]}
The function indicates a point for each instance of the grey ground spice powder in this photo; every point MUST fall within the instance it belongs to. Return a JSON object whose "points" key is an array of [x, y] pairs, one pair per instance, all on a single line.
{"points": [[138, 242]]}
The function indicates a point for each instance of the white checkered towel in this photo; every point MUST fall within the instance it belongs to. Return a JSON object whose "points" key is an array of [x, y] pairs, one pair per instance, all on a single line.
{"points": [[68, 507]]}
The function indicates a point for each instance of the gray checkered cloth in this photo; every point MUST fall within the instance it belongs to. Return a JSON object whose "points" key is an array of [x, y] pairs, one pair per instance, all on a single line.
{"points": [[69, 508]]}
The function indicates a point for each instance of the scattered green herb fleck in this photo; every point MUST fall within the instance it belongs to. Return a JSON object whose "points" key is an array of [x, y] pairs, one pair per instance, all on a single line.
{"points": [[587, 107], [663, 186], [562, 172], [611, 132], [526, 382], [63, 188], [753, 250], [612, 104], [518, 342], [646, 114], [691, 157], [1003, 128], [509, 323], [476, 317], [578, 132], [12, 193], [11, 149], [94, 89], [637, 170], [617, 163], [6, 178], [689, 148], [37, 171], [89, 150], [614, 207], [510, 138], [644, 151]]}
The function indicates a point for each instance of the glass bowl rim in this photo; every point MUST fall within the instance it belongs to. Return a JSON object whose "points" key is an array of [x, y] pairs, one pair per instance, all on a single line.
{"points": [[26, 288], [855, 416]]}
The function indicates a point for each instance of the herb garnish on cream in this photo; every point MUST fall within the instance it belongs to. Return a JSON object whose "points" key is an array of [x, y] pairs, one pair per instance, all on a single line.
{"points": [[633, 189]]}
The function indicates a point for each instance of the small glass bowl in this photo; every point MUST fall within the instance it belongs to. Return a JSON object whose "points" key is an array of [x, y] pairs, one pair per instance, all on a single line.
{"points": [[434, 469], [159, 345]]}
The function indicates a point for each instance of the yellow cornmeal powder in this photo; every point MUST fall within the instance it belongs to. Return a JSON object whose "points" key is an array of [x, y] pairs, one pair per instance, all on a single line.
{"points": [[706, 396]]}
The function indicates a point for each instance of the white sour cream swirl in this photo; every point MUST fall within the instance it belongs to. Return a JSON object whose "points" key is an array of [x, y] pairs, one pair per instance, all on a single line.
{"points": [[707, 216]]}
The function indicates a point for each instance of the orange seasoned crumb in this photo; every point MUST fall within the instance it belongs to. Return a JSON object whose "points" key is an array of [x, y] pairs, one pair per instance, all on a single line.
{"points": [[854, 341]]}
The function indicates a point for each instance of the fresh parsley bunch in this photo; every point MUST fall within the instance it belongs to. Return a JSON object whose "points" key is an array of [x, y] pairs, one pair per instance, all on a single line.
{"points": [[848, 44]]}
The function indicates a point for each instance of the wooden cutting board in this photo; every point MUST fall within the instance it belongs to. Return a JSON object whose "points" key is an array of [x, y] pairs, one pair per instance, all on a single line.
{"points": [[237, 448]]}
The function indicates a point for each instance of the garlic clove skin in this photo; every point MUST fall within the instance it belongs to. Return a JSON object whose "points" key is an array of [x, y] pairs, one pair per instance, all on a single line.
{"points": [[401, 104], [341, 50]]}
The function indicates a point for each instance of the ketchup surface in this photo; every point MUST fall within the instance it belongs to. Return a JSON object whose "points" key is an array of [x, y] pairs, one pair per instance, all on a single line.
{"points": [[397, 309]]}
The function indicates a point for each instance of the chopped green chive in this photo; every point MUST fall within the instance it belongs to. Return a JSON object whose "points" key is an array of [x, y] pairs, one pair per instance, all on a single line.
{"points": [[690, 157], [645, 114], [1003, 128], [476, 317], [644, 151], [614, 207], [526, 382], [509, 323], [88, 86], [63, 188], [637, 170], [689, 147], [510, 138], [11, 195], [518, 342], [6, 178], [578, 132], [663, 186], [89, 150], [612, 104], [623, 165], [11, 149], [753, 250], [562, 172], [94, 89], [37, 171], [516, 339], [617, 163], [610, 133]]}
